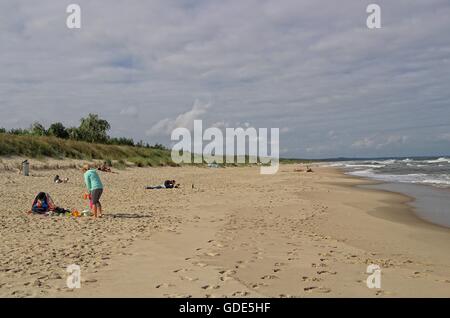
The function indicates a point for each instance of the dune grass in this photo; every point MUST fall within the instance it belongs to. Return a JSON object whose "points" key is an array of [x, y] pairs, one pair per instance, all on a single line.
{"points": [[39, 147], [116, 155]]}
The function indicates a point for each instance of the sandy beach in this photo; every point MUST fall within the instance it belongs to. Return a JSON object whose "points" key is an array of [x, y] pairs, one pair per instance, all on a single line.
{"points": [[227, 232]]}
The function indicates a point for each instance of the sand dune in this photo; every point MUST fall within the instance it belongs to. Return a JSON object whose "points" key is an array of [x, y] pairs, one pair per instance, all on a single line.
{"points": [[234, 233]]}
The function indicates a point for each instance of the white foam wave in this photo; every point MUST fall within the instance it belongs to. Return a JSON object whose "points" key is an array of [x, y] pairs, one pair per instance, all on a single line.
{"points": [[439, 160]]}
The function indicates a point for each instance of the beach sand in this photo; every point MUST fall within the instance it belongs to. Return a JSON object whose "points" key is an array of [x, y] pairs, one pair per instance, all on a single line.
{"points": [[225, 233]]}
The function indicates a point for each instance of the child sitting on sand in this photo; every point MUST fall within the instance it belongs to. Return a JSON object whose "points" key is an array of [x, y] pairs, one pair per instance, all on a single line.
{"points": [[41, 204]]}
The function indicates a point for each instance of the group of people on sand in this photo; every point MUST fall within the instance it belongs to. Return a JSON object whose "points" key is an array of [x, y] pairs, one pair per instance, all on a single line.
{"points": [[94, 185]]}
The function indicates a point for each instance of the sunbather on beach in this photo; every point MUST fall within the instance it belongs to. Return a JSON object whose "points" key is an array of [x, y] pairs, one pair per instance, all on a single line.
{"points": [[57, 179], [168, 184], [95, 188], [104, 167]]}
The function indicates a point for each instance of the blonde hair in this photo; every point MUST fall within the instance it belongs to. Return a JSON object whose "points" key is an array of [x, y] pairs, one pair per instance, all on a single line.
{"points": [[86, 167]]}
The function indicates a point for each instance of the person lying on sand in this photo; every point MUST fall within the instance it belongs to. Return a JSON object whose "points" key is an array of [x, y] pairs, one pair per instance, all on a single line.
{"points": [[168, 184], [104, 168], [95, 188], [57, 179]]}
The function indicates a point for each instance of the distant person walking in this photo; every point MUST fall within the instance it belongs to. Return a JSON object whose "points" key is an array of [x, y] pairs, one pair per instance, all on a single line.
{"points": [[95, 188]]}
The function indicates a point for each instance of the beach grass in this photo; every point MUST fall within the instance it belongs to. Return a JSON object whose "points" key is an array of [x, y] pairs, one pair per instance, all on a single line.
{"points": [[118, 156], [41, 146]]}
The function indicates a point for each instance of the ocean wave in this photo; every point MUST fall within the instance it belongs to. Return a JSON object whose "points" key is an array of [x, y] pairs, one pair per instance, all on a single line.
{"points": [[430, 171], [439, 160], [384, 162], [336, 164], [437, 181], [364, 166], [416, 165]]}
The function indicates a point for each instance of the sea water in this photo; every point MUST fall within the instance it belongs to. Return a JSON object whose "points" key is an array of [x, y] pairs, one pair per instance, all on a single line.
{"points": [[426, 179]]}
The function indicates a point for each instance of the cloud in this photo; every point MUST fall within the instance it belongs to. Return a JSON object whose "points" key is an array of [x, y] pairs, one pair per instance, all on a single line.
{"points": [[129, 111], [379, 142], [444, 137], [306, 66], [184, 120]]}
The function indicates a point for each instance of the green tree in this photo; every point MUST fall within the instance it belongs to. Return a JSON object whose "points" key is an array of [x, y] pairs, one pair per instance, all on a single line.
{"points": [[38, 129], [121, 141], [94, 129], [159, 146], [73, 133], [58, 130], [2, 130], [18, 131]]}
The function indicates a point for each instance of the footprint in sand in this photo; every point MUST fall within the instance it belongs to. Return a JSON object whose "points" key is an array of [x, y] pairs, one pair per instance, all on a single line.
{"points": [[285, 296], [208, 287], [177, 296], [311, 279], [200, 264], [315, 289], [383, 293], [279, 264], [227, 272], [241, 264], [180, 270], [212, 254], [258, 285], [240, 294], [326, 272], [164, 285], [191, 279], [269, 277]]}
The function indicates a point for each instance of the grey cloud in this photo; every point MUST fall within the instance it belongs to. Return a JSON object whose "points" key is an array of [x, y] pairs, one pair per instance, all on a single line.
{"points": [[306, 67]]}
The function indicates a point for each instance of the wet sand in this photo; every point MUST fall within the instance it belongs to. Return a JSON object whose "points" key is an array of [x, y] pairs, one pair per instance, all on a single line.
{"points": [[235, 233], [430, 203]]}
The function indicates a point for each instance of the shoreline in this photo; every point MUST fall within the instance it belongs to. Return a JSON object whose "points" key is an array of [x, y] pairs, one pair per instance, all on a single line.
{"points": [[235, 234], [420, 211]]}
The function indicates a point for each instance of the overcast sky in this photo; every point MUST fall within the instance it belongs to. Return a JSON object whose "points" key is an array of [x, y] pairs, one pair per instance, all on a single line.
{"points": [[309, 67]]}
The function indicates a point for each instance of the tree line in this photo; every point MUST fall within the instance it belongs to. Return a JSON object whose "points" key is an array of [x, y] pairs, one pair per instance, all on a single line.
{"points": [[92, 129]]}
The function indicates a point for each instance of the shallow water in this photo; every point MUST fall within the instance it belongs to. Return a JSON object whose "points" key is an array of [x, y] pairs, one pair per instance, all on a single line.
{"points": [[431, 204]]}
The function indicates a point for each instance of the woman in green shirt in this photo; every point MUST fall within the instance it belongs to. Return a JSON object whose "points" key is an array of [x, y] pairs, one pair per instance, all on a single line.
{"points": [[95, 188]]}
